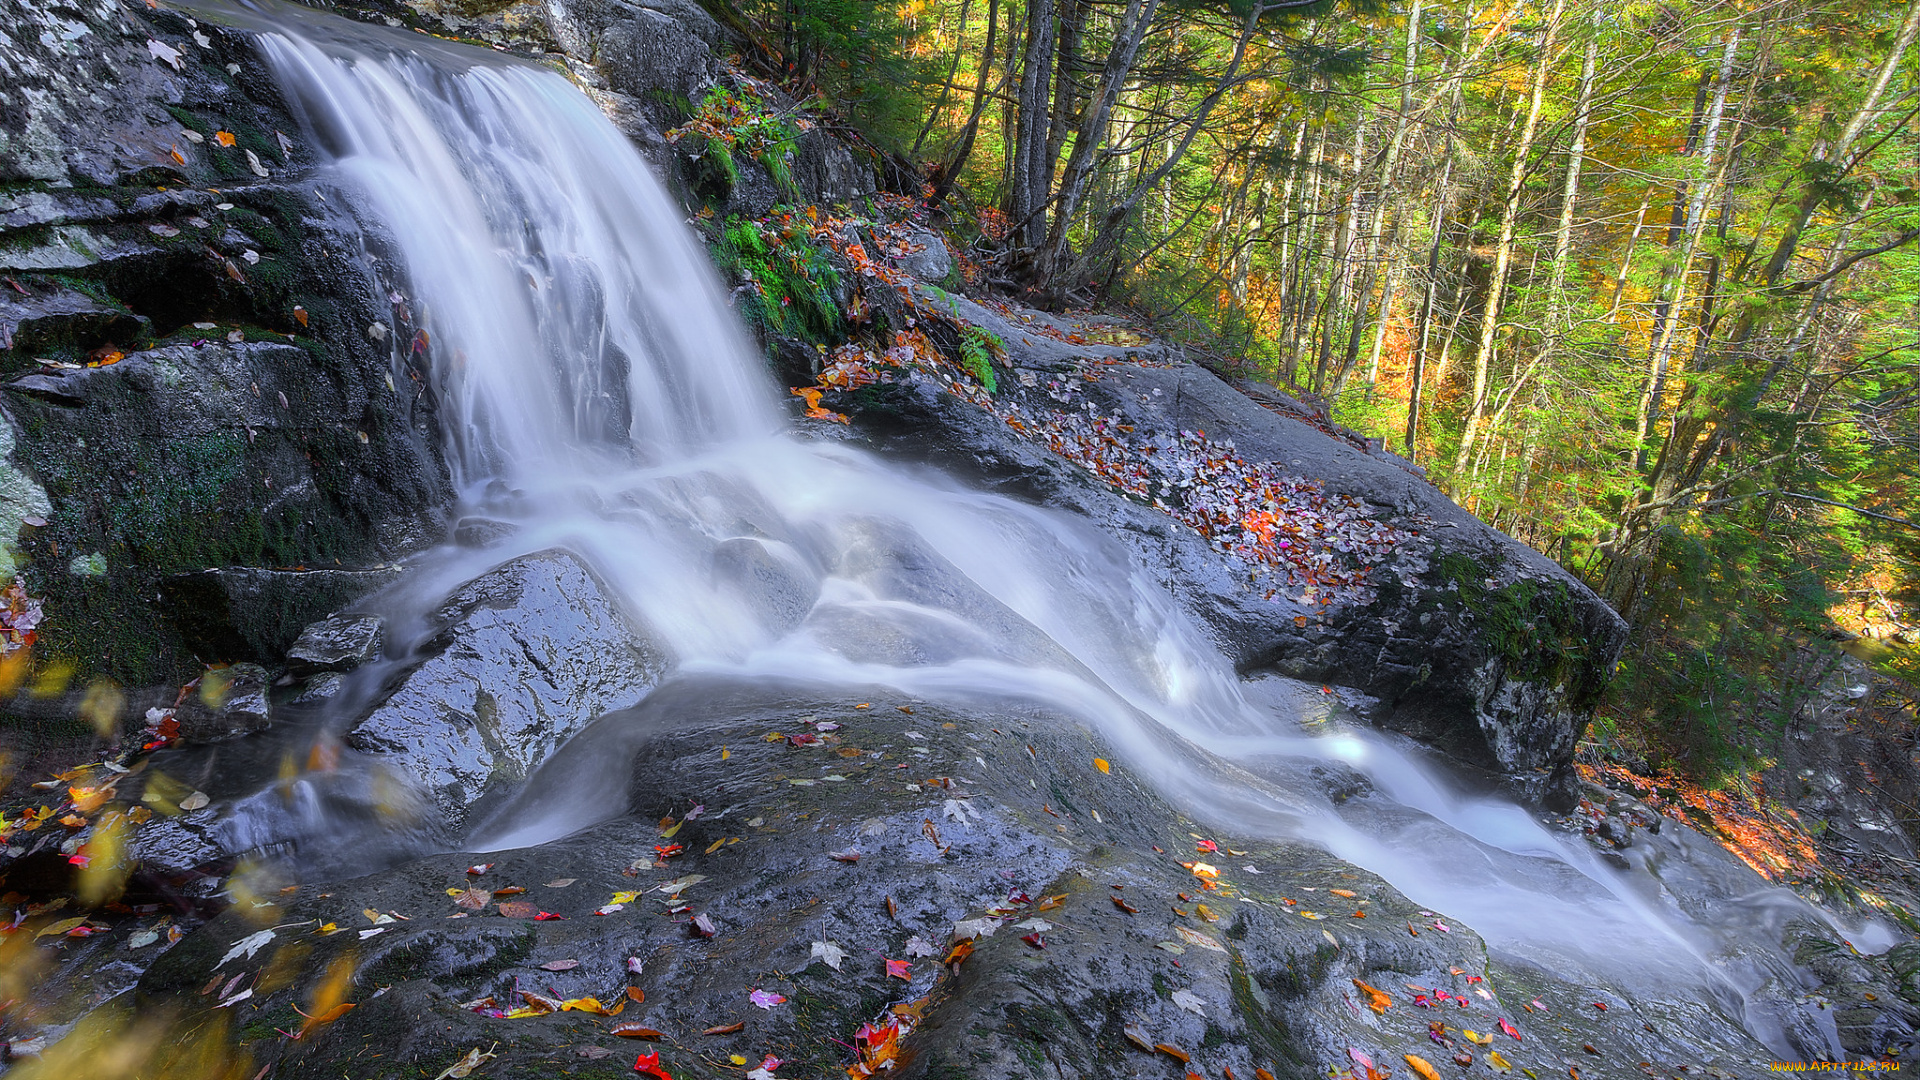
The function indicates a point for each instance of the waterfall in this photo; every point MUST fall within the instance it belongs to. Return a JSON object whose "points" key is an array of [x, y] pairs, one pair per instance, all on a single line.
{"points": [[596, 391]]}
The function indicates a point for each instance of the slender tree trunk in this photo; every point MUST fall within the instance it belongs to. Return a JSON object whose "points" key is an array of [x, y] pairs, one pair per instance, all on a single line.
{"points": [[949, 170], [1503, 248], [946, 87]]}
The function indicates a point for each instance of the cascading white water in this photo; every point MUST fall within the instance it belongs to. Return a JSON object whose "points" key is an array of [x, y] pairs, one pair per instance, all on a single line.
{"points": [[587, 363]]}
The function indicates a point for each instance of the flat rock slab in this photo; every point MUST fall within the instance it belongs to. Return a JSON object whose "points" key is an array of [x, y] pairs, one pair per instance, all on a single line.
{"points": [[999, 826], [527, 654]]}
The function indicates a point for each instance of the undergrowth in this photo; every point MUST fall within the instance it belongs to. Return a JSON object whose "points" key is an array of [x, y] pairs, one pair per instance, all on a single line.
{"points": [[791, 282]]}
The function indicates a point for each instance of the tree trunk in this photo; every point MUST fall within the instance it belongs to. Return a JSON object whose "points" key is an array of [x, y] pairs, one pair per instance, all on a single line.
{"points": [[1503, 248]]}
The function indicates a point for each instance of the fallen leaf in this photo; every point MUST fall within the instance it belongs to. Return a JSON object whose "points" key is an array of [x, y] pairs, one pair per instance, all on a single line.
{"points": [[473, 899], [703, 926], [561, 883], [1173, 1052], [636, 995], [253, 162], [899, 969], [649, 1064], [960, 951], [1508, 1029], [1348, 893], [194, 801], [631, 1030], [1499, 1063], [1421, 1067], [766, 999], [560, 965], [1262, 1074], [1189, 1001], [1137, 1037], [224, 138], [463, 1068], [1101, 764], [726, 1029], [1121, 903], [829, 953], [519, 909], [1477, 1038], [1376, 1000], [244, 948]]}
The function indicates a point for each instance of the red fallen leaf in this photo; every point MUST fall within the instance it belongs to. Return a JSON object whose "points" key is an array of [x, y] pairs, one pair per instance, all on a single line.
{"points": [[632, 1030], [851, 855], [899, 969], [510, 890], [1508, 1029], [561, 965], [548, 916], [1601, 1005], [703, 925], [479, 869], [725, 1029], [668, 851], [649, 1064], [1033, 939], [1206, 845]]}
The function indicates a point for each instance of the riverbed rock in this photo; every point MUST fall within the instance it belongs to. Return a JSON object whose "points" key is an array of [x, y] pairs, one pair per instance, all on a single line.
{"points": [[338, 643], [525, 656], [1096, 930], [232, 702]]}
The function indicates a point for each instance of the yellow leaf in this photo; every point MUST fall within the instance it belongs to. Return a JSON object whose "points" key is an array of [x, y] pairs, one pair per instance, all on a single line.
{"points": [[667, 834], [725, 753], [61, 927], [1494, 1059], [1421, 1067], [715, 846], [1476, 1037], [1101, 764], [736, 1059]]}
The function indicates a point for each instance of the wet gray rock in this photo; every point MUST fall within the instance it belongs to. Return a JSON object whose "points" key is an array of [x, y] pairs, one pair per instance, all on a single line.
{"points": [[1470, 641], [338, 643], [930, 261], [49, 318], [525, 656], [827, 841], [232, 702], [641, 48]]}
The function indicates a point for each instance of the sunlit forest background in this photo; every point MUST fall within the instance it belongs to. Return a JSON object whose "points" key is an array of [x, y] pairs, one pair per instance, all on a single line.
{"points": [[1636, 282]]}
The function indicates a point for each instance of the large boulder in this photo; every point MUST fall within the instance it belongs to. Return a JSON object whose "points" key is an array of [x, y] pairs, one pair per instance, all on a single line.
{"points": [[523, 657], [1464, 638]]}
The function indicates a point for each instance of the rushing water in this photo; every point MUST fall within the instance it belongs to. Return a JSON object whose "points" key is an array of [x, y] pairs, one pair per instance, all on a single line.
{"points": [[597, 392]]}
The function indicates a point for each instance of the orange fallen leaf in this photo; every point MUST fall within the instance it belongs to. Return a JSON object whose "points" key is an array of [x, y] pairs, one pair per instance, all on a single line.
{"points": [[725, 1029], [1421, 1067], [960, 951], [224, 138], [1101, 764], [1376, 1000], [1348, 893], [1124, 906], [637, 995], [1173, 1052], [631, 1030]]}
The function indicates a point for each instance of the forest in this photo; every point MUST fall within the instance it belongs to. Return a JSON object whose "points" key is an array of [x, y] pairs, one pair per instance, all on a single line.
{"points": [[1638, 283]]}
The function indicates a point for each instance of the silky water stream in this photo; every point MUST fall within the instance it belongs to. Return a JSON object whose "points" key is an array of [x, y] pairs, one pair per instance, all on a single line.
{"points": [[598, 395]]}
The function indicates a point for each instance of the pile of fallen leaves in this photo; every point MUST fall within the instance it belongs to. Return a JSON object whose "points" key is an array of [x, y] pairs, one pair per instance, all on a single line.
{"points": [[1282, 524], [1771, 841]]}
